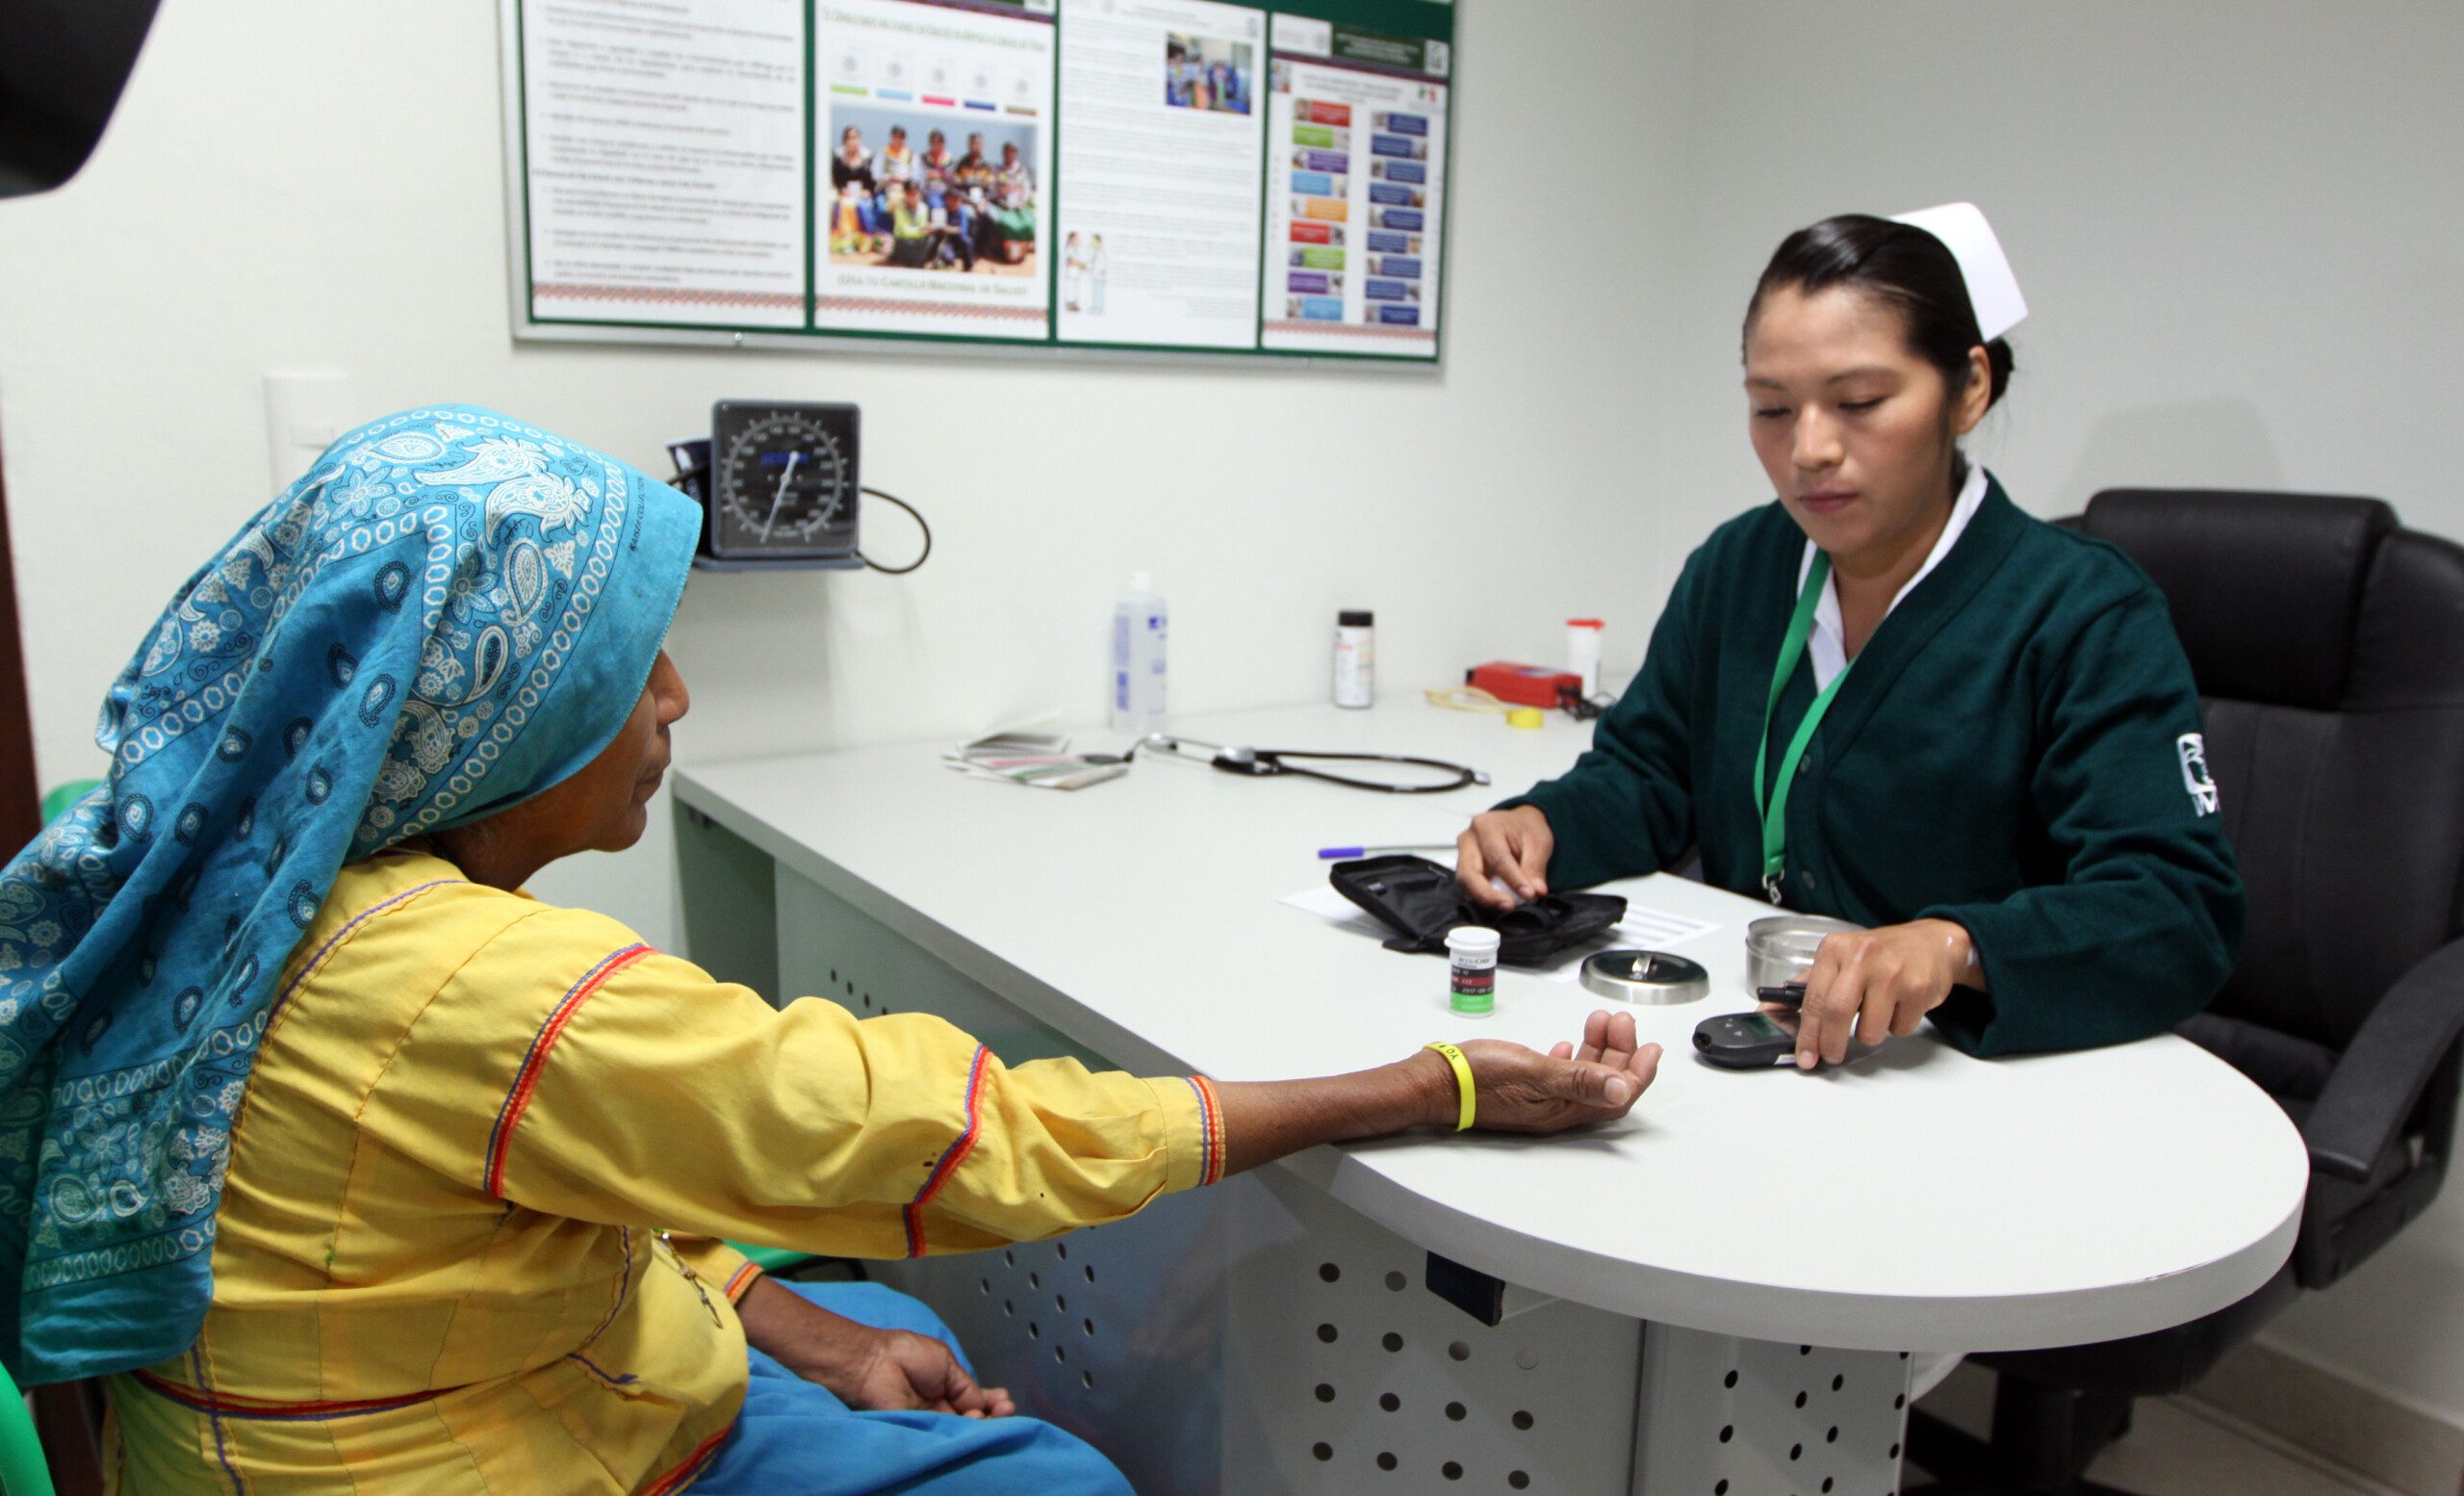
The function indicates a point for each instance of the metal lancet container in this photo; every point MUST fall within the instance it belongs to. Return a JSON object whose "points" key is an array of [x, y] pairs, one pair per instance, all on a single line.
{"points": [[1651, 977], [1780, 948]]}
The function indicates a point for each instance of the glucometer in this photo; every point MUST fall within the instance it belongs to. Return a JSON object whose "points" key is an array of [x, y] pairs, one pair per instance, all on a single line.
{"points": [[1747, 1040], [1753, 1041]]}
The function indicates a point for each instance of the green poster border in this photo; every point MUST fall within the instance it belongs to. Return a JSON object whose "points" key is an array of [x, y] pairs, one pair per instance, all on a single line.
{"points": [[1266, 160], [1051, 241], [1421, 20], [1428, 20], [812, 155], [522, 124]]}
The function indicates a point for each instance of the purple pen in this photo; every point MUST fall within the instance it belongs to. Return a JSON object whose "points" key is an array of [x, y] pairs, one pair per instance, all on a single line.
{"points": [[1331, 854]]}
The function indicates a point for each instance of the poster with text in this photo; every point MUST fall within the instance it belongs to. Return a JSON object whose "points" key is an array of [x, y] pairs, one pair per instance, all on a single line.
{"points": [[1161, 129], [1355, 175], [936, 118], [664, 151], [1147, 175]]}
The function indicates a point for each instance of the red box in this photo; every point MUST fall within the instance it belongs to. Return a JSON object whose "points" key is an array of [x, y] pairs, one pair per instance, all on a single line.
{"points": [[1523, 685], [1304, 232], [1330, 114]]}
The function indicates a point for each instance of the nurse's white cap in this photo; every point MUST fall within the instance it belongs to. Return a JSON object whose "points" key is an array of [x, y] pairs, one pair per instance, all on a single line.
{"points": [[1991, 289]]}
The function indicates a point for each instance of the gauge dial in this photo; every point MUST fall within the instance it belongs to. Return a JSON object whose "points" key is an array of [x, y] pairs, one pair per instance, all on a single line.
{"points": [[784, 482]]}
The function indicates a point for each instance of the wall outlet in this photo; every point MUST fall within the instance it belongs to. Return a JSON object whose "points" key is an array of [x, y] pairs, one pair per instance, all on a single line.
{"points": [[304, 412]]}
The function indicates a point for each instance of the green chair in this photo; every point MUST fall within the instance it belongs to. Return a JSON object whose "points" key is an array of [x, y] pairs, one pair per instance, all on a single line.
{"points": [[63, 797], [769, 1259], [23, 1471]]}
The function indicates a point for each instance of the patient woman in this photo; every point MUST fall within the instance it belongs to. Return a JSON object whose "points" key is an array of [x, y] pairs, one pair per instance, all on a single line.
{"points": [[349, 1161]]}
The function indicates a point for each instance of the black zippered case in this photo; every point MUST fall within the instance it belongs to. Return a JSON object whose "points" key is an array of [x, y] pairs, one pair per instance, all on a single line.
{"points": [[1419, 901]]}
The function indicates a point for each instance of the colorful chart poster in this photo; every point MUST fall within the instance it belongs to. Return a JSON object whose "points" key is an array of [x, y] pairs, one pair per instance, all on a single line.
{"points": [[1356, 176], [665, 155], [936, 118], [1160, 137], [1197, 176]]}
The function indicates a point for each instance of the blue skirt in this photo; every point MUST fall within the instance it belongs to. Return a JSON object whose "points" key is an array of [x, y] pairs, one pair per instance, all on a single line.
{"points": [[795, 1437]]}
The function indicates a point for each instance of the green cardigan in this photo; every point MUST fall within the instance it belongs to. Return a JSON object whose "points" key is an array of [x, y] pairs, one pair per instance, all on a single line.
{"points": [[2014, 751]]}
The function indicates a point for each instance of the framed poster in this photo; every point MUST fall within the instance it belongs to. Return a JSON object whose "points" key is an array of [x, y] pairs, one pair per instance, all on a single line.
{"points": [[1178, 176]]}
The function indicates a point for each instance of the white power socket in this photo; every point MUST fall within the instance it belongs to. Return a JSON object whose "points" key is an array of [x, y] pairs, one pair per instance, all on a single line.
{"points": [[304, 412]]}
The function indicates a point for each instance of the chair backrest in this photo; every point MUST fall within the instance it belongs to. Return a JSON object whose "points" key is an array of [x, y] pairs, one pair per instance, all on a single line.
{"points": [[2328, 646]]}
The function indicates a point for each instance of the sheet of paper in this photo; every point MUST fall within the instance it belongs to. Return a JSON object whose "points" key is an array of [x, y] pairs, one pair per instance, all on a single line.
{"points": [[665, 150], [955, 101], [1657, 929], [1328, 905], [1160, 166], [1642, 929]]}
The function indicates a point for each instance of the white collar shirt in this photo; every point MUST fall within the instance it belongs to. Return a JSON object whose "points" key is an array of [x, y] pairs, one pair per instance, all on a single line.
{"points": [[1827, 646]]}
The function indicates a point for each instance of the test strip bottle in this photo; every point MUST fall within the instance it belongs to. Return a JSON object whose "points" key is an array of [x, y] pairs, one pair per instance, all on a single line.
{"points": [[1355, 657], [1582, 653], [1471, 952]]}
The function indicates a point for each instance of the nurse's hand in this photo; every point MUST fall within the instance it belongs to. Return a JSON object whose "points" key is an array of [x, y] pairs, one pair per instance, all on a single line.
{"points": [[1874, 985], [1513, 845]]}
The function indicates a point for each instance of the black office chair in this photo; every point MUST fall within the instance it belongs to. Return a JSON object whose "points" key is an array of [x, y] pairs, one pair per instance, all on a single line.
{"points": [[2328, 646]]}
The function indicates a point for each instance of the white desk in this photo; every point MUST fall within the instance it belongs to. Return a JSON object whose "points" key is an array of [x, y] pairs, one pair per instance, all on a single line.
{"points": [[1915, 1201]]}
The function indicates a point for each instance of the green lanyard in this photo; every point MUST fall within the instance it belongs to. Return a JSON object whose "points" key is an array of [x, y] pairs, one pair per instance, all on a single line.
{"points": [[1792, 648]]}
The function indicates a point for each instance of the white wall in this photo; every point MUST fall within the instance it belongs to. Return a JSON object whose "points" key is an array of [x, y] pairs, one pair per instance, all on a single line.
{"points": [[2238, 224], [310, 184], [2238, 227], [2242, 238]]}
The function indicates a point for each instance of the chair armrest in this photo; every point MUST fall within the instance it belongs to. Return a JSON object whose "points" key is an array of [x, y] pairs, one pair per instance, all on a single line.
{"points": [[2384, 1070]]}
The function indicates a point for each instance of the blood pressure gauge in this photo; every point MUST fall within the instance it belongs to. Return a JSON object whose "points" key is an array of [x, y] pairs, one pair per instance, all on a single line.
{"points": [[783, 482]]}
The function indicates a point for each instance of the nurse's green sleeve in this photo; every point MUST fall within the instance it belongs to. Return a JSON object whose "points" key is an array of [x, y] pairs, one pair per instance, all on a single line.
{"points": [[1627, 807], [2147, 919]]}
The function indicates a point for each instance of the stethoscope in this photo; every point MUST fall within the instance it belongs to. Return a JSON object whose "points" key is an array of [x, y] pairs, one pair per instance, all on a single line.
{"points": [[1269, 763]]}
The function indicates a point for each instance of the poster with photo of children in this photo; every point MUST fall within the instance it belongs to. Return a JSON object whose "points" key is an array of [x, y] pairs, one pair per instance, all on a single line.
{"points": [[1208, 73], [1268, 181], [930, 190]]}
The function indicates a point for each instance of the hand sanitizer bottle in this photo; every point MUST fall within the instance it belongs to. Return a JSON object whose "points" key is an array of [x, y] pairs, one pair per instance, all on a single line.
{"points": [[1138, 659]]}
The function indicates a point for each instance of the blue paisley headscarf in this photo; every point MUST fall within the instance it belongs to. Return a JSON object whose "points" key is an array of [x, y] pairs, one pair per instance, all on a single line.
{"points": [[450, 612]]}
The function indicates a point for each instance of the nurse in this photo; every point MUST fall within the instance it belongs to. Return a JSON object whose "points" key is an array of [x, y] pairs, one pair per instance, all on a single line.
{"points": [[1891, 697]]}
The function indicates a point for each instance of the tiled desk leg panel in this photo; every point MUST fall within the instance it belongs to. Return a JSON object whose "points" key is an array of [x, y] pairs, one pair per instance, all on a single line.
{"points": [[1345, 1374], [1727, 1417], [1114, 1333]]}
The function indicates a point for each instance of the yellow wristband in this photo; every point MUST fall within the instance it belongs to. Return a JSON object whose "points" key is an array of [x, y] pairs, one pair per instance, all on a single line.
{"points": [[1462, 1080]]}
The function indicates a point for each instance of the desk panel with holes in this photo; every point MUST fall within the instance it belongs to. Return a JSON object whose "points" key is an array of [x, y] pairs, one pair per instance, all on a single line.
{"points": [[1114, 1333], [1261, 1337]]}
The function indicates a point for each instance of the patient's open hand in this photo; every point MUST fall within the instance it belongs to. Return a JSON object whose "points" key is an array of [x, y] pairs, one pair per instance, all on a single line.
{"points": [[1525, 1091]]}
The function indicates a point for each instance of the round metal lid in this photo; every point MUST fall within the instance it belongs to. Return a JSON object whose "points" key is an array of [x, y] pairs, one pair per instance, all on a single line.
{"points": [[1645, 977]]}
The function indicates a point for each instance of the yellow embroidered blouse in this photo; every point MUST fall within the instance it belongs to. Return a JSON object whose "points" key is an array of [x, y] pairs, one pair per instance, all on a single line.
{"points": [[438, 1268]]}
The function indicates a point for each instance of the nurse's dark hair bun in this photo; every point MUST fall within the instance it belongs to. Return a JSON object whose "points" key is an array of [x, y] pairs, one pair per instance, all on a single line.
{"points": [[1899, 264]]}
